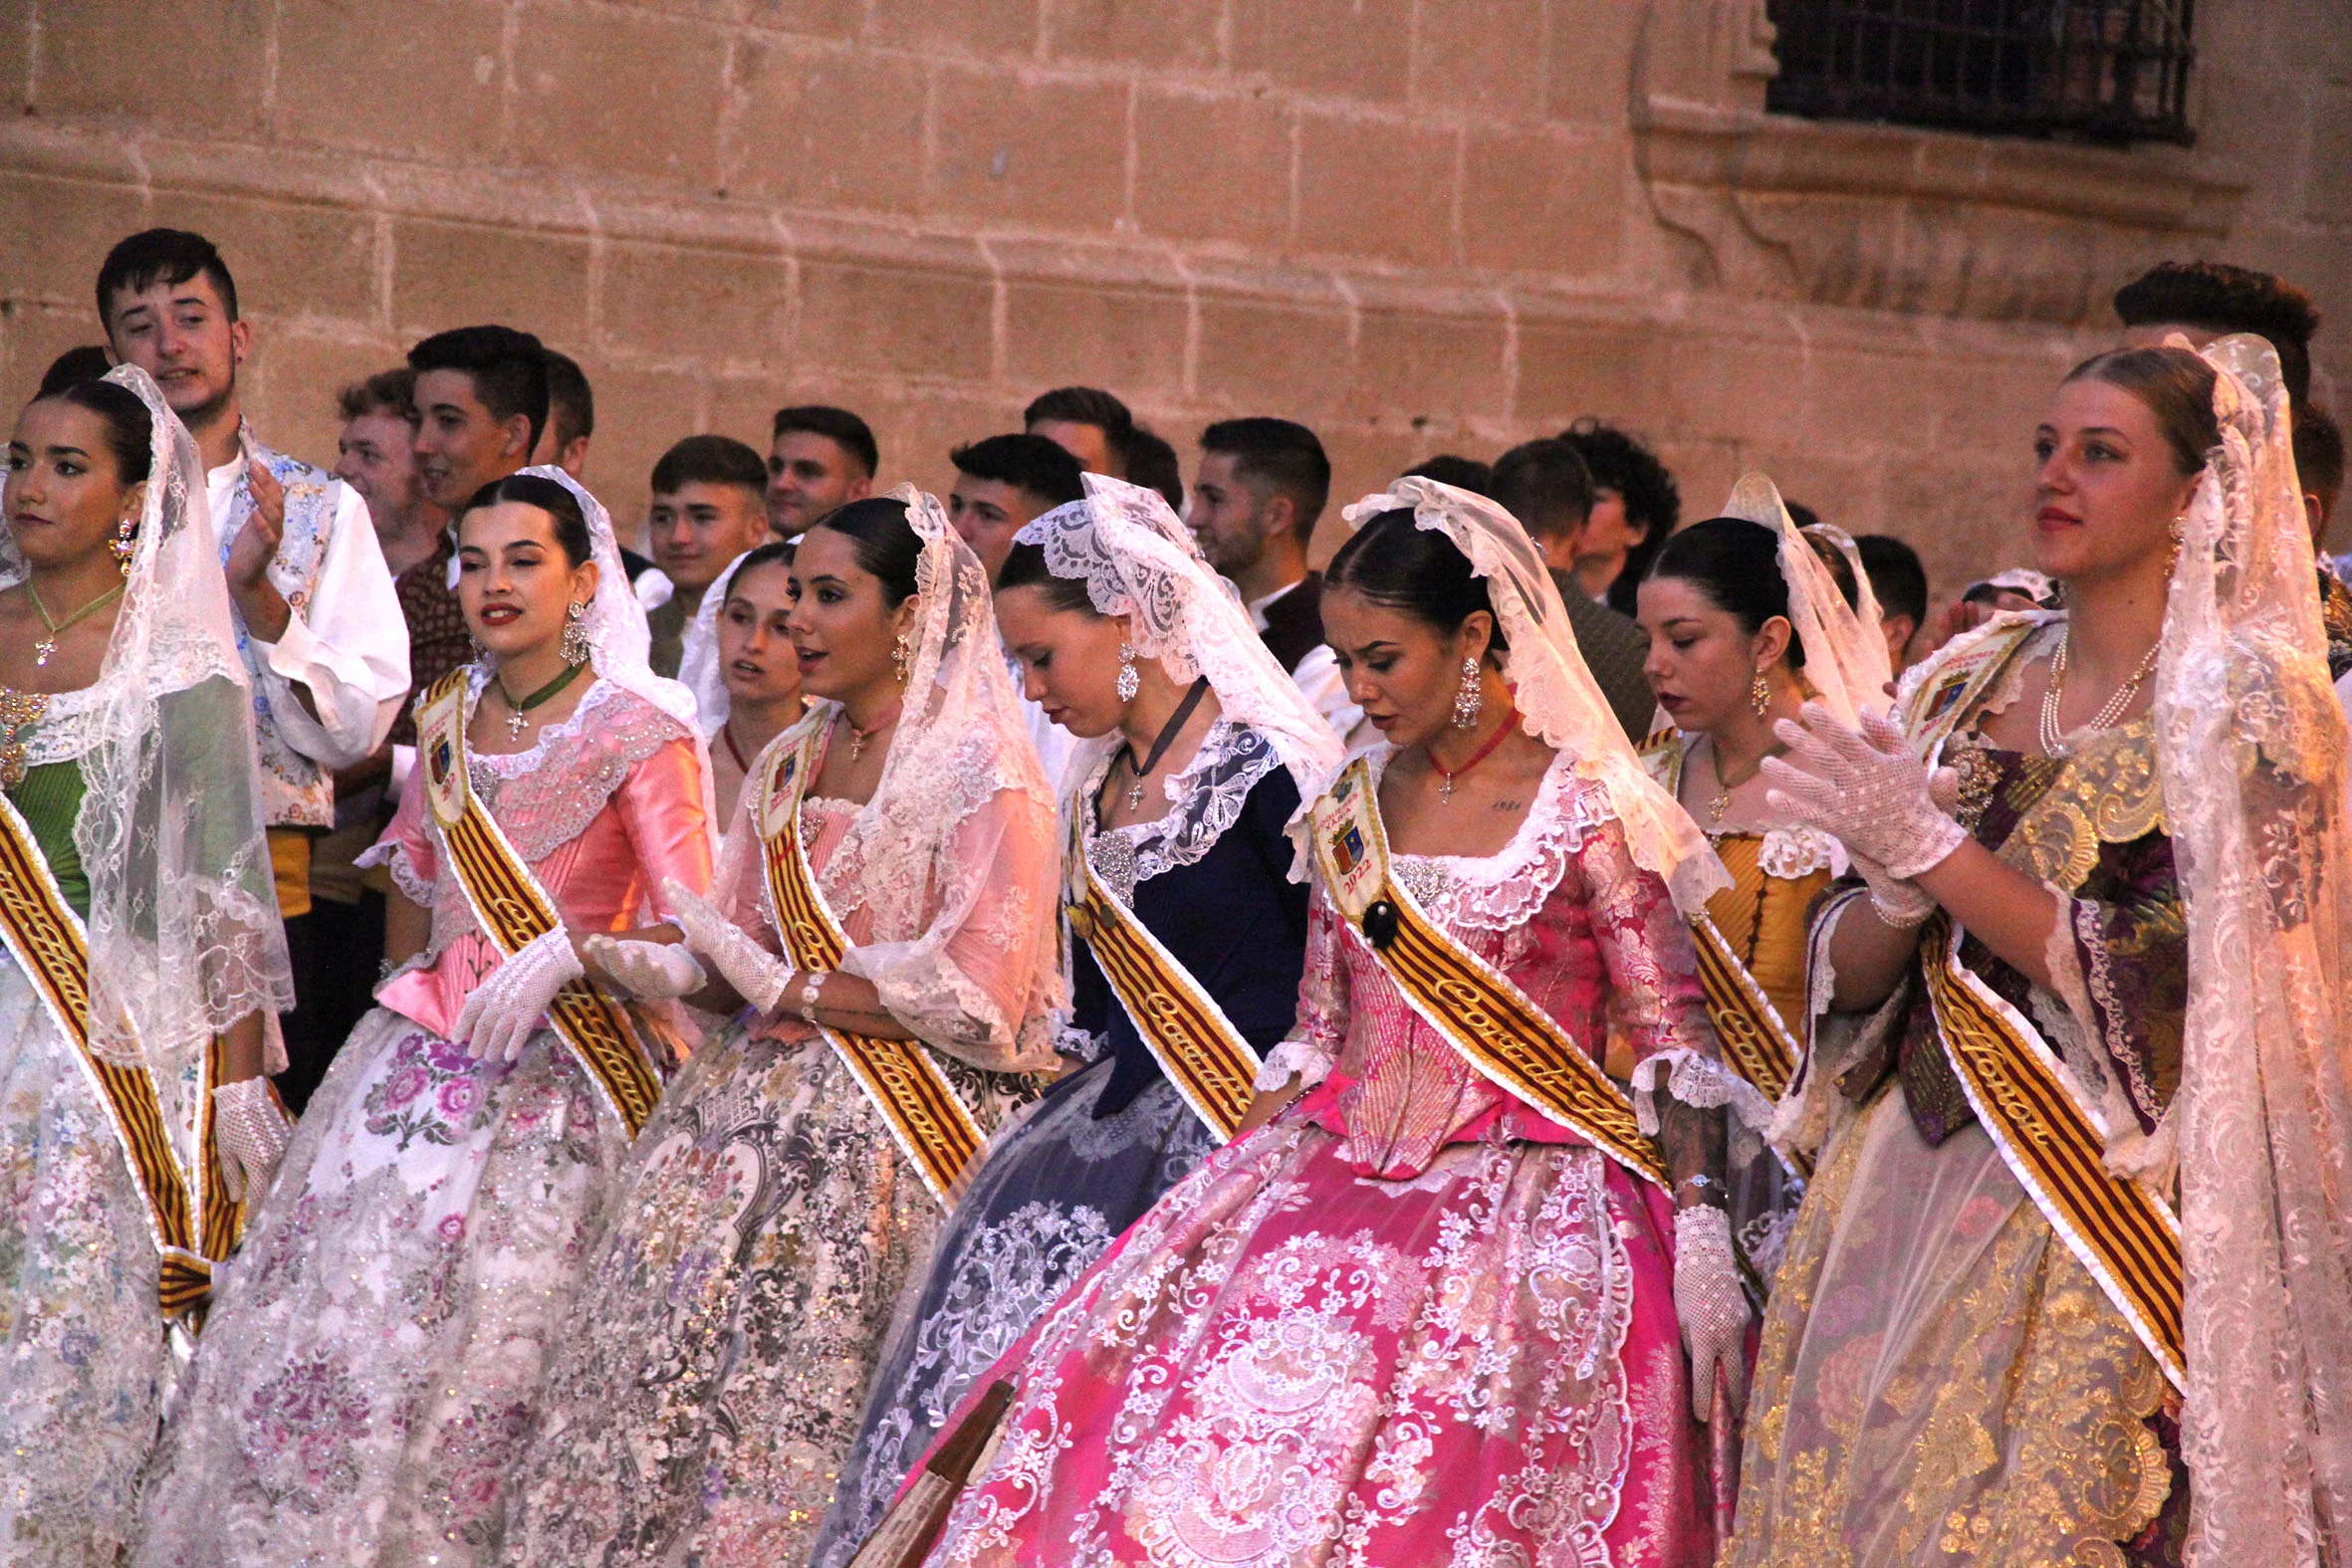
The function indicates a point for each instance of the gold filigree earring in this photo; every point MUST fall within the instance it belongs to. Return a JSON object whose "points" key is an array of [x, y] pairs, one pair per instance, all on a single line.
{"points": [[902, 658], [577, 643], [1469, 698], [1760, 695]]}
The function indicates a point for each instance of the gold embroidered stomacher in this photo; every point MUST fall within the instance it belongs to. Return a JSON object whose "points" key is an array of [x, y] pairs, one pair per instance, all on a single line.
{"points": [[516, 911], [932, 1127], [188, 1216], [1503, 1034], [1196, 1045]]}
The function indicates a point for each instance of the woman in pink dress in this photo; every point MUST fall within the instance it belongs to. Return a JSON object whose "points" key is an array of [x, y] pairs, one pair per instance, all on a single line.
{"points": [[374, 1356], [1415, 1320]]}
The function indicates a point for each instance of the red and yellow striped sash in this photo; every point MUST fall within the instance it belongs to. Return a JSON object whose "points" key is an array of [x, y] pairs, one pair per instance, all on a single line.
{"points": [[1498, 1031], [929, 1122], [2124, 1234], [516, 911], [47, 939], [1196, 1045]]}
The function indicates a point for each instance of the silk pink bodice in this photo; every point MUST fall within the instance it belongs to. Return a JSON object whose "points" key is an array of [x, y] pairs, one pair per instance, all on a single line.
{"points": [[1566, 915], [603, 808]]}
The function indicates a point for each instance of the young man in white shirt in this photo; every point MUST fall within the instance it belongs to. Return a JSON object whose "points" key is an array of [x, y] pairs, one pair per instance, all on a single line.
{"points": [[1261, 486], [317, 618]]}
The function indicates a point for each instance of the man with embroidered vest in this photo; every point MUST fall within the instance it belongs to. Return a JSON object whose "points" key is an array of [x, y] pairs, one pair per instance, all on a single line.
{"points": [[317, 620], [1261, 486]]}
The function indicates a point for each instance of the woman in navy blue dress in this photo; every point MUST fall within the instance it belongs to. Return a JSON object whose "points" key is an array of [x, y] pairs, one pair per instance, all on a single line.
{"points": [[1195, 750]]}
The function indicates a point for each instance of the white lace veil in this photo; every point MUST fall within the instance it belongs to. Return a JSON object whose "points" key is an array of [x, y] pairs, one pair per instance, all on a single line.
{"points": [[698, 654], [2250, 749], [1558, 702], [923, 848], [1138, 561], [185, 935], [1846, 652]]}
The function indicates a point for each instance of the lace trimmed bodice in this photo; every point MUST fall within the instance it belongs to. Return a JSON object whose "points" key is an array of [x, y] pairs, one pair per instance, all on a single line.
{"points": [[1205, 798], [1564, 911], [67, 728], [603, 807]]}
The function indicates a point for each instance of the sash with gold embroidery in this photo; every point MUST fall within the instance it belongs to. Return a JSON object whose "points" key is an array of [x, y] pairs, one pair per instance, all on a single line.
{"points": [[2053, 1139], [1498, 1031], [191, 1223], [516, 911], [929, 1122], [1198, 1048], [2049, 1134], [1756, 1042]]}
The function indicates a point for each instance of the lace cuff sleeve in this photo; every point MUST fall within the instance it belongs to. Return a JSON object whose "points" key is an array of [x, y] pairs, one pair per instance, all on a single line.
{"points": [[406, 851], [1310, 1062], [1700, 1082]]}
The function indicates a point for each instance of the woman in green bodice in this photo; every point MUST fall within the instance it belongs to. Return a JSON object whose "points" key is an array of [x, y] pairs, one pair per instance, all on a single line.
{"points": [[145, 958]]}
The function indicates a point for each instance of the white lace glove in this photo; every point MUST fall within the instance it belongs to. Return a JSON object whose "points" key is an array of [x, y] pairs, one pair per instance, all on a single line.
{"points": [[251, 1132], [1864, 787], [757, 975], [1709, 1305], [647, 969], [502, 1015]]}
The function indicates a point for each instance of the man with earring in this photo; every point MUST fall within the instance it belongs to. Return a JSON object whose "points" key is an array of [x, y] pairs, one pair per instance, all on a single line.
{"points": [[317, 620]]}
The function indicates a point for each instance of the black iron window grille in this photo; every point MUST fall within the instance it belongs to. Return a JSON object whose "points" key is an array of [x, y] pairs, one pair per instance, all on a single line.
{"points": [[2092, 70]]}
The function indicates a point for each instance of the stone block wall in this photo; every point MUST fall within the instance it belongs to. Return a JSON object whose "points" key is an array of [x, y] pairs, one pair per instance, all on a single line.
{"points": [[1418, 225]]}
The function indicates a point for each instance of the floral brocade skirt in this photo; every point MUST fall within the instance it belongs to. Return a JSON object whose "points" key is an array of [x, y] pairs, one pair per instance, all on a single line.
{"points": [[83, 1354], [372, 1355], [1285, 1362], [730, 1319], [1941, 1381], [1057, 1187]]}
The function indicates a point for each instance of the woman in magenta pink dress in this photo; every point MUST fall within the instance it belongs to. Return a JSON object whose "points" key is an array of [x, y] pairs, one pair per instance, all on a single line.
{"points": [[1416, 1319]]}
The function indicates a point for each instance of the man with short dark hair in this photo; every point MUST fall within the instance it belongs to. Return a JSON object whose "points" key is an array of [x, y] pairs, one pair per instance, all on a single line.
{"points": [[570, 417], [1152, 463], [1635, 506], [1463, 473], [482, 405], [1002, 483], [1261, 486], [709, 507], [1086, 423], [1900, 584], [819, 458], [2320, 468], [318, 623], [1545, 485]]}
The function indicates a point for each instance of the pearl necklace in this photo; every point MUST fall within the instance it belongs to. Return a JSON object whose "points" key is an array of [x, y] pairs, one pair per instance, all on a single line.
{"points": [[2052, 743]]}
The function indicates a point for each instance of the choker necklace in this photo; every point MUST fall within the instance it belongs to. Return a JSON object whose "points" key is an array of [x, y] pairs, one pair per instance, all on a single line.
{"points": [[514, 718], [2053, 743], [727, 734], [1445, 793], [48, 645], [859, 738], [1159, 747]]}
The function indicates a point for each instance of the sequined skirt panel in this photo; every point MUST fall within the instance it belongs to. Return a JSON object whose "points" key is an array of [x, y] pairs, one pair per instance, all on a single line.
{"points": [[1942, 1383], [1055, 1190], [368, 1370], [1285, 1362], [732, 1315], [82, 1359]]}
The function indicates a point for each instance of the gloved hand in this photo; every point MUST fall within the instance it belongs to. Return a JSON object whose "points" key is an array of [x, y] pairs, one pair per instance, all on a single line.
{"points": [[502, 1015], [1864, 787], [757, 975], [251, 1131], [647, 969], [1709, 1305]]}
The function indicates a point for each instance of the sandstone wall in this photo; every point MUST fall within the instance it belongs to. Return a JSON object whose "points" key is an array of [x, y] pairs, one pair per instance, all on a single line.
{"points": [[1418, 225]]}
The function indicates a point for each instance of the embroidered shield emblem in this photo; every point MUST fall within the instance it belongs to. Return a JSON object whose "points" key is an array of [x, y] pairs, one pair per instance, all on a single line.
{"points": [[440, 762], [1348, 849]]}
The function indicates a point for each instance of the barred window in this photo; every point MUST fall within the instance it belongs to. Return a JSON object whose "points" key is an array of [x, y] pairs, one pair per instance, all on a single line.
{"points": [[2111, 71]]}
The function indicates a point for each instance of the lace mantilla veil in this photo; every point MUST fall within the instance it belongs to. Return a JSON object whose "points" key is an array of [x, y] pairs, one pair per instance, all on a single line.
{"points": [[1845, 653], [1139, 561], [1558, 702], [921, 850], [698, 654], [184, 935], [2251, 752]]}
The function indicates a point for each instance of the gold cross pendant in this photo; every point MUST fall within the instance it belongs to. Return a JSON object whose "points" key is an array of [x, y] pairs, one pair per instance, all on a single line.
{"points": [[43, 649], [513, 725]]}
